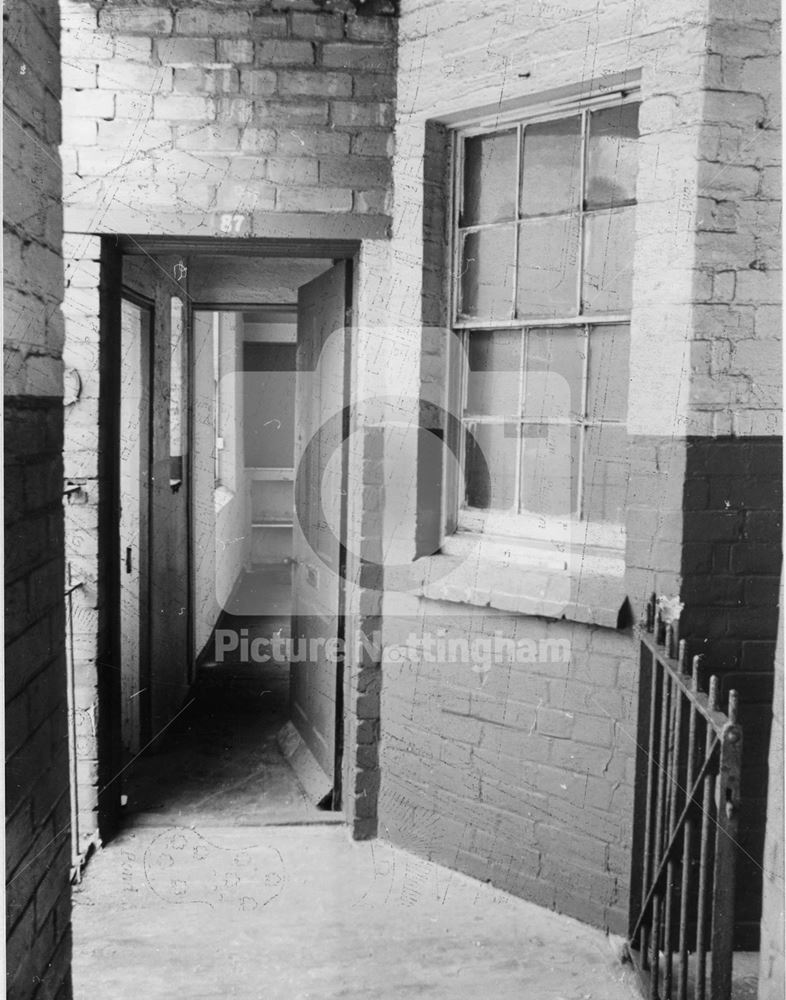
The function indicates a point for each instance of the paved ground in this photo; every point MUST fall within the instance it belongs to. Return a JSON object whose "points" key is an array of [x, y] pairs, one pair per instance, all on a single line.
{"points": [[206, 895], [281, 913]]}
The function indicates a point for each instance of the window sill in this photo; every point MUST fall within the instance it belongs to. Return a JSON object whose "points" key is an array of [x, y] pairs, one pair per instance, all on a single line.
{"points": [[583, 584]]}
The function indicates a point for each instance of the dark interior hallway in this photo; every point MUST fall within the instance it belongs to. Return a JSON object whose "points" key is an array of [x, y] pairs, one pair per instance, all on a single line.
{"points": [[220, 762]]}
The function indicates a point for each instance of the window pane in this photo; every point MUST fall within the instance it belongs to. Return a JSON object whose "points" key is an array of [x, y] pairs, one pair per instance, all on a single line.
{"points": [[549, 469], [608, 255], [611, 156], [548, 260], [494, 372], [605, 473], [487, 274], [489, 178], [608, 375], [551, 167], [554, 372], [490, 466]]}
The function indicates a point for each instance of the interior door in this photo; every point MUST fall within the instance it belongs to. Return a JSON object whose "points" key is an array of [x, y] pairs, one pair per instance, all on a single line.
{"points": [[135, 326], [316, 680], [164, 663]]}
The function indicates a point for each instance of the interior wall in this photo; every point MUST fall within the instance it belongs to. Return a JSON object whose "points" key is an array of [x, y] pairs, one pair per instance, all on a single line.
{"points": [[206, 609], [232, 539], [220, 510]]}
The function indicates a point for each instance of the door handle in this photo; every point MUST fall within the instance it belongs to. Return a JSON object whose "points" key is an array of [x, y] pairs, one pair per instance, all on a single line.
{"points": [[128, 559]]}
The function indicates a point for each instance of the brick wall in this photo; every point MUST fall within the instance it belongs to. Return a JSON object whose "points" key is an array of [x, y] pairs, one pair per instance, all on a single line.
{"points": [[248, 119], [190, 112], [520, 775], [38, 848], [493, 56], [772, 982]]}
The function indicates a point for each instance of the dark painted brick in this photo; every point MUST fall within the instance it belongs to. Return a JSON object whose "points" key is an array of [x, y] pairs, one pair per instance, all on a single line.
{"points": [[764, 525], [751, 558], [748, 492], [710, 526]]}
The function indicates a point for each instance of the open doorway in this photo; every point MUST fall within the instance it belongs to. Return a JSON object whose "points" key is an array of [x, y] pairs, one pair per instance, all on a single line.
{"points": [[226, 724]]}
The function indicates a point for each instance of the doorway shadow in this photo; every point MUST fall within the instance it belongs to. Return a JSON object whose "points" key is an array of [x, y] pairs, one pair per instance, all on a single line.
{"points": [[220, 764]]}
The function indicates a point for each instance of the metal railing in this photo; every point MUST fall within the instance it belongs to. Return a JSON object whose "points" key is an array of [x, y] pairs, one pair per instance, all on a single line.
{"points": [[687, 805]]}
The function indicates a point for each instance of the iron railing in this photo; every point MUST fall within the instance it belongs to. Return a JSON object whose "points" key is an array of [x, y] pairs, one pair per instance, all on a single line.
{"points": [[687, 805]]}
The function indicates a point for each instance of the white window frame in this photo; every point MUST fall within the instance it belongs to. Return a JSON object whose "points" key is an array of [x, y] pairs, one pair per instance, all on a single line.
{"points": [[538, 529]]}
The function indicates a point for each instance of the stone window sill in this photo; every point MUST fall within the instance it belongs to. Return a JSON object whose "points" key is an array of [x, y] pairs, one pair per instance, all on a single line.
{"points": [[582, 584]]}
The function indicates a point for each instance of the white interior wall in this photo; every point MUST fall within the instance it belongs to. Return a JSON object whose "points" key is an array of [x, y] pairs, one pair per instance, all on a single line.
{"points": [[220, 514]]}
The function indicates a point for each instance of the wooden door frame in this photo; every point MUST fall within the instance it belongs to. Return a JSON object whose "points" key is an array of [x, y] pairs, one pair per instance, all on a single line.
{"points": [[113, 248], [327, 250], [145, 518]]}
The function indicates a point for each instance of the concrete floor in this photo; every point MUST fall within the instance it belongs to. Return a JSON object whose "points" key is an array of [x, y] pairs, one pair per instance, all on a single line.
{"points": [[292, 913], [219, 764], [228, 882]]}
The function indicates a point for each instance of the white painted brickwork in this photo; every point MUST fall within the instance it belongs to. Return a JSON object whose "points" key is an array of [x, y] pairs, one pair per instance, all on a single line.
{"points": [[232, 87]]}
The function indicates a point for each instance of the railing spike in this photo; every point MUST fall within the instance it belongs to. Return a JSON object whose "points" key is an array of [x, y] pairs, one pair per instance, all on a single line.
{"points": [[660, 628], [683, 659], [670, 641], [649, 612], [698, 659], [734, 704], [712, 697]]}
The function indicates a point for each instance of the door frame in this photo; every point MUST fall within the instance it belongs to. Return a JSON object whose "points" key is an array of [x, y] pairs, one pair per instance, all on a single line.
{"points": [[349, 254], [145, 514], [329, 250]]}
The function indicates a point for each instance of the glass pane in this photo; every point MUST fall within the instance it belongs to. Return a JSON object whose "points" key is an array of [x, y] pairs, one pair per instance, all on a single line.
{"points": [[487, 274], [549, 469], [605, 473], [608, 256], [554, 373], [494, 372], [612, 156], [551, 167], [608, 374], [548, 260], [489, 178], [490, 466]]}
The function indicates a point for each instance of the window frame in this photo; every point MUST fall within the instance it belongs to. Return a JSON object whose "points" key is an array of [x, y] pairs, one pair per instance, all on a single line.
{"points": [[457, 518]]}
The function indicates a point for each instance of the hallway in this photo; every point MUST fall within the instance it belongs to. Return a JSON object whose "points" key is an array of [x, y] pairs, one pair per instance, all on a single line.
{"points": [[219, 763]]}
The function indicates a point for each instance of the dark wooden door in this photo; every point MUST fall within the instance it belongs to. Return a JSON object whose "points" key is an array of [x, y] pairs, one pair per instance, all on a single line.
{"points": [[164, 670]]}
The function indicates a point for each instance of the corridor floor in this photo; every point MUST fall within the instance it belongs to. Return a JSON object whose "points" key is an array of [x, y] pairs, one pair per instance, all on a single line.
{"points": [[219, 764], [290, 913]]}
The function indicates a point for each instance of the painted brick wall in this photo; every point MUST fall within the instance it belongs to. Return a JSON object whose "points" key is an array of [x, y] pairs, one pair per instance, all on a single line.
{"points": [[190, 110], [38, 848], [772, 981], [248, 118], [520, 775], [736, 350], [488, 56]]}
